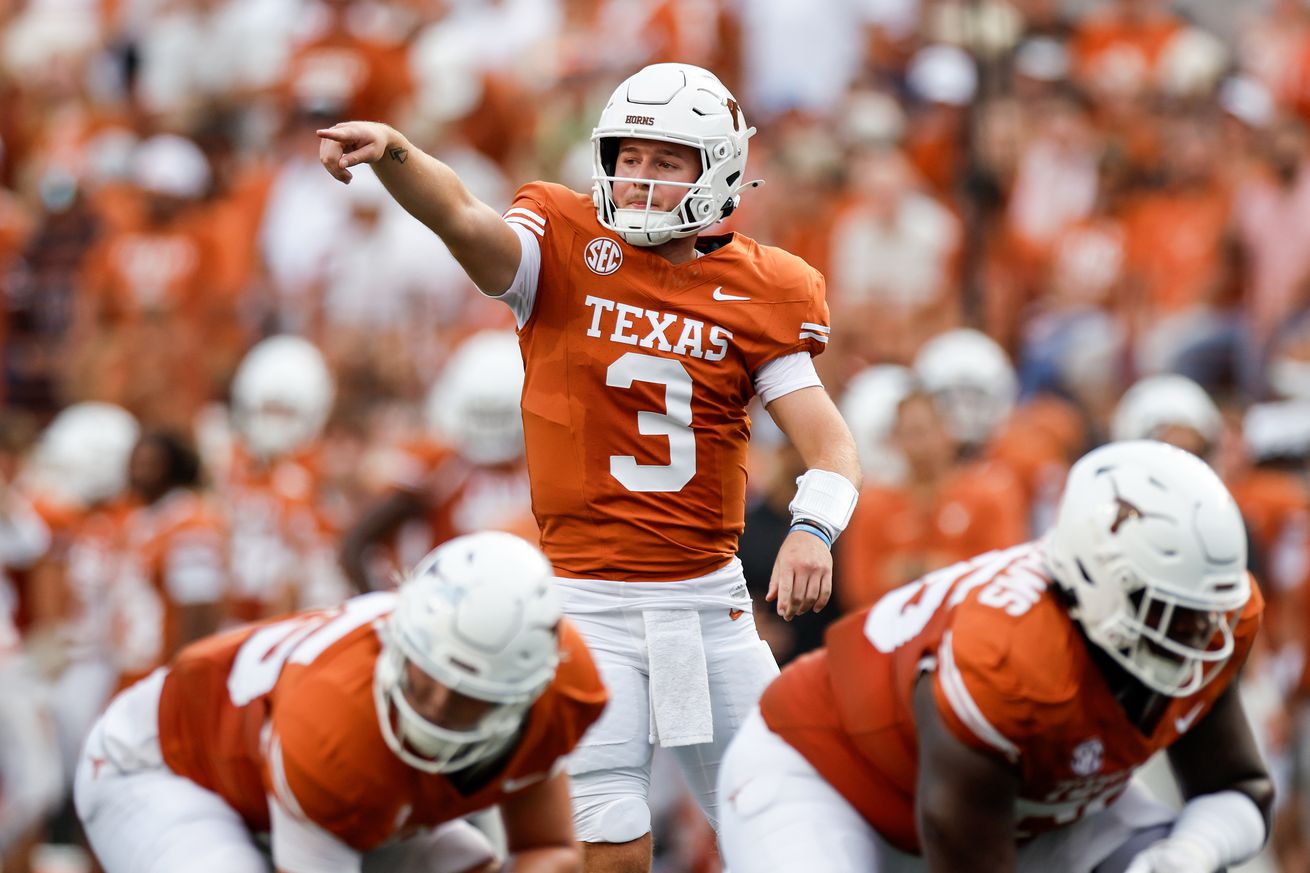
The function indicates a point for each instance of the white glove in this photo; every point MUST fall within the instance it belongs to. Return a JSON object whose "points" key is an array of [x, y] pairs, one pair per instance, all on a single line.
{"points": [[1175, 855]]}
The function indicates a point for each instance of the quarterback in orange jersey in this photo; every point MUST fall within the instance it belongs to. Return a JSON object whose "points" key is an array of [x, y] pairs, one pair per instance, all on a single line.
{"points": [[990, 716], [643, 341], [356, 737]]}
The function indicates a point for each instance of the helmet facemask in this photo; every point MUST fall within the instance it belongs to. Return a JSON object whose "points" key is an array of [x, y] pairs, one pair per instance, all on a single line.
{"points": [[430, 747], [1171, 647], [700, 206], [682, 105], [476, 618], [1151, 550]]}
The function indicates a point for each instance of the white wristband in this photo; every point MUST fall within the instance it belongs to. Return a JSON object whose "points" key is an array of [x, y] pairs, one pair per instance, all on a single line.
{"points": [[826, 497], [1228, 822]]}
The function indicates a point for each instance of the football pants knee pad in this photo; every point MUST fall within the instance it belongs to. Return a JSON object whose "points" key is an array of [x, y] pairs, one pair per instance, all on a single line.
{"points": [[610, 819]]}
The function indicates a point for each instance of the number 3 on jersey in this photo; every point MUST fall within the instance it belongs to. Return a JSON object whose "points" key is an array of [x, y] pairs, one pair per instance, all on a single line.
{"points": [[674, 423]]}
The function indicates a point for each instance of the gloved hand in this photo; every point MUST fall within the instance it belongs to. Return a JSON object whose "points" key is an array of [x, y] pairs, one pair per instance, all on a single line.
{"points": [[1175, 855]]}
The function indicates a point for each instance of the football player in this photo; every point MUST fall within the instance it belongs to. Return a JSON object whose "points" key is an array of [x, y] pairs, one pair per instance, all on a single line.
{"points": [[357, 737], [466, 474], [990, 716], [643, 339], [270, 488]]}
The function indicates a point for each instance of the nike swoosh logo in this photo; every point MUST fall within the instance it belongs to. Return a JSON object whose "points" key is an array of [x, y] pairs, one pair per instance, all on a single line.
{"points": [[509, 786], [719, 295], [1183, 722]]}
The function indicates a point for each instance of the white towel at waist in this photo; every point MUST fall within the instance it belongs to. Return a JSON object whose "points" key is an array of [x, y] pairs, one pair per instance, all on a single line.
{"points": [[679, 678]]}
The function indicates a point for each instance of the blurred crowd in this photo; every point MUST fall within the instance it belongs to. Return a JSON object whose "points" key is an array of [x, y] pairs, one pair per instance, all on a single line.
{"points": [[232, 387]]}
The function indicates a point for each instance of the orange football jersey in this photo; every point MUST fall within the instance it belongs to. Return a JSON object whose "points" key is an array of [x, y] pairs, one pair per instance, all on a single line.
{"points": [[638, 375], [178, 546], [276, 527], [1013, 677], [309, 678]]}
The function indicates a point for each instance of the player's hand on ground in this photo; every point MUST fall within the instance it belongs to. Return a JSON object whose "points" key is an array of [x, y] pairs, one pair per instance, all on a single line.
{"points": [[802, 575], [1174, 855], [352, 142]]}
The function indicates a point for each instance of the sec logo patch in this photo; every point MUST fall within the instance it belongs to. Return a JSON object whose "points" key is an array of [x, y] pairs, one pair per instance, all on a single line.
{"points": [[603, 256]]}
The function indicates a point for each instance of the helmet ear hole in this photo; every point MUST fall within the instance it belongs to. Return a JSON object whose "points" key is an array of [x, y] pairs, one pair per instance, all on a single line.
{"points": [[721, 151]]}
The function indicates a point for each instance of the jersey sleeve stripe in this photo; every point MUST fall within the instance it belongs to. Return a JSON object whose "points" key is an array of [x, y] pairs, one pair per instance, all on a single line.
{"points": [[821, 328], [281, 787], [964, 705], [805, 334], [527, 214], [523, 222]]}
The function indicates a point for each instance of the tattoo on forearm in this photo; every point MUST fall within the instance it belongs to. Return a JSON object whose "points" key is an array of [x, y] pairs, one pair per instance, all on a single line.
{"points": [[399, 154]]}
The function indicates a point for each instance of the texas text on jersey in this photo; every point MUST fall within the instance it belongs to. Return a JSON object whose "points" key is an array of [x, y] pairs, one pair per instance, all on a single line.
{"points": [[654, 362]]}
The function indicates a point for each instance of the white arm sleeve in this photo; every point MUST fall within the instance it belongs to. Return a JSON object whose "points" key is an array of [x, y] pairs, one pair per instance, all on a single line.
{"points": [[782, 376], [521, 295]]}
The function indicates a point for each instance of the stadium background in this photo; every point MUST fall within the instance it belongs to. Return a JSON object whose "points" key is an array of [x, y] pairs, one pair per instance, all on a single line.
{"points": [[1108, 190]]}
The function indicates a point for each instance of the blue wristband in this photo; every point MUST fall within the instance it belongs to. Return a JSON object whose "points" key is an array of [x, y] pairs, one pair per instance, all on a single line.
{"points": [[813, 529]]}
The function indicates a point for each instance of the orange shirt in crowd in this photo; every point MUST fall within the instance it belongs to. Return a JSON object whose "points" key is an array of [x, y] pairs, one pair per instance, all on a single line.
{"points": [[178, 546], [1014, 678], [895, 536], [280, 537]]}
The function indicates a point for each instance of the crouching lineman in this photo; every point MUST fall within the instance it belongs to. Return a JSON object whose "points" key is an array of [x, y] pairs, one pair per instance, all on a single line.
{"points": [[356, 737], [990, 715]]}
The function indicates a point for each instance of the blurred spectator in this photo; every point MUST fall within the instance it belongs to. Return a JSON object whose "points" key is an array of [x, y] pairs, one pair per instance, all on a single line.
{"points": [[937, 515], [466, 474], [894, 263]]}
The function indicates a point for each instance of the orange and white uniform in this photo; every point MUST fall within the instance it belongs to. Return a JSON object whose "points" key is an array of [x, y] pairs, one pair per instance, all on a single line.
{"points": [[461, 497], [1012, 677], [637, 376], [277, 722], [282, 553], [178, 548]]}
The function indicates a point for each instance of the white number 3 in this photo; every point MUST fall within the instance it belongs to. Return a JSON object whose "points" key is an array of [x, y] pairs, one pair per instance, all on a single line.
{"points": [[674, 422]]}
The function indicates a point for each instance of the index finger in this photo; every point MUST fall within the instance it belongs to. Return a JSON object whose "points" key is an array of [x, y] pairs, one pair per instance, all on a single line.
{"points": [[338, 132]]}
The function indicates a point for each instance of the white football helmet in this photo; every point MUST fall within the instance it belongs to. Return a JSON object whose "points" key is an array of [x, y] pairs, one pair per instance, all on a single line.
{"points": [[82, 455], [676, 103], [869, 405], [281, 396], [475, 403], [972, 381], [1151, 549], [479, 615], [1167, 400]]}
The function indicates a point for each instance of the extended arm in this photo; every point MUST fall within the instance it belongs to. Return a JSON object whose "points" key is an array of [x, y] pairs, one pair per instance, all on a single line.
{"points": [[802, 574], [965, 799], [476, 235]]}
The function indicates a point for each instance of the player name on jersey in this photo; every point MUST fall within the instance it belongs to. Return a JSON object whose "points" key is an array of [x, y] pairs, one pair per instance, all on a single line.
{"points": [[665, 331]]}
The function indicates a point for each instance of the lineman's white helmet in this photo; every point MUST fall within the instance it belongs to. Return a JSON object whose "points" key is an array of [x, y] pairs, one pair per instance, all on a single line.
{"points": [[972, 381], [82, 455], [869, 405], [1167, 400], [676, 103], [281, 396], [1151, 548], [475, 403], [480, 616]]}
